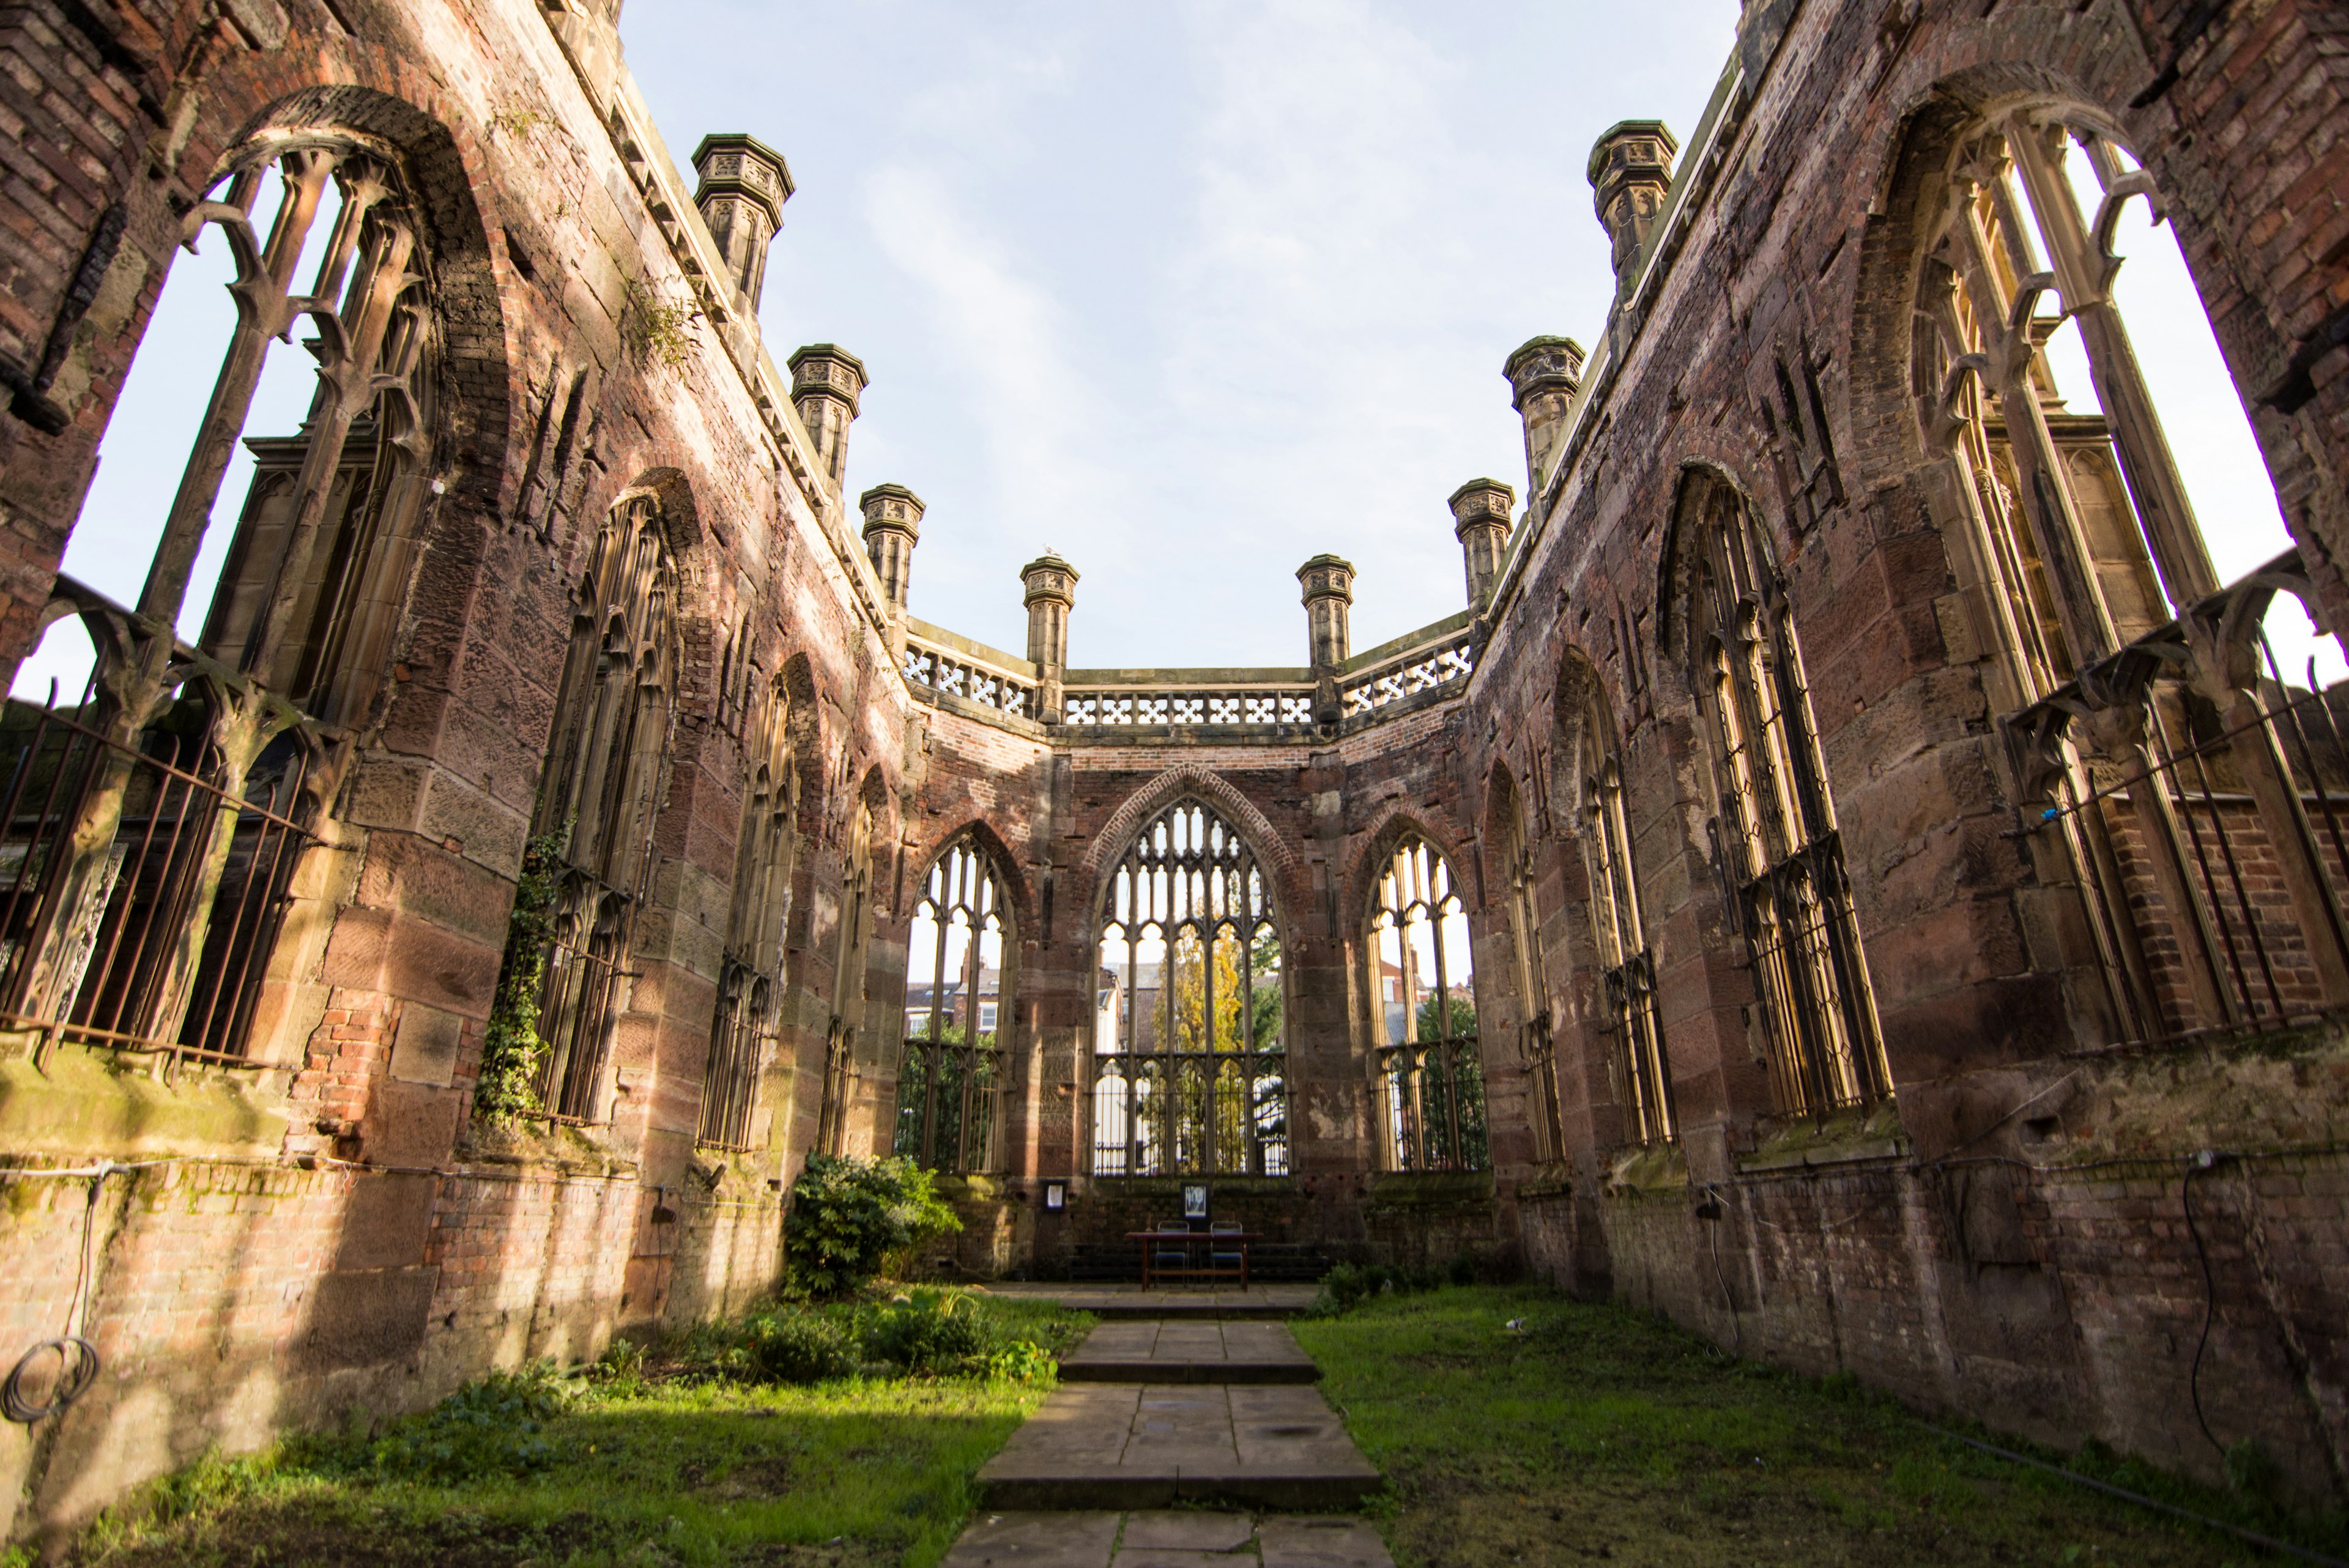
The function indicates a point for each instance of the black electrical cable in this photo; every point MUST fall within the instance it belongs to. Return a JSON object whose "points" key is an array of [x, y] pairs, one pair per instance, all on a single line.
{"points": [[77, 1358], [2253, 1536], [2201, 1161]]}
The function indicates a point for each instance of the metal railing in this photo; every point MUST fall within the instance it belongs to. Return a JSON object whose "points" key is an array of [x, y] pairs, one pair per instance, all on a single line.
{"points": [[158, 941], [2202, 798]]}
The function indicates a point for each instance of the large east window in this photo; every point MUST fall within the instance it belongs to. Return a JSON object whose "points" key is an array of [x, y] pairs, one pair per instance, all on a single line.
{"points": [[1190, 1068], [948, 1080], [1424, 1016]]}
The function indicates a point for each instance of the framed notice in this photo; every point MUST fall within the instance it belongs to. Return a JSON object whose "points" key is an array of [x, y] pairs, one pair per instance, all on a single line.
{"points": [[1056, 1196], [1195, 1200]]}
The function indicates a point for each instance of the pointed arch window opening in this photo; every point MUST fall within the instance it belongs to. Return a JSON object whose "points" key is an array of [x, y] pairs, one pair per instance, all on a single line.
{"points": [[1190, 1040], [743, 1036], [1538, 1035], [1777, 840], [153, 829], [842, 1073], [608, 773], [1637, 1063], [1430, 1069], [959, 987]]}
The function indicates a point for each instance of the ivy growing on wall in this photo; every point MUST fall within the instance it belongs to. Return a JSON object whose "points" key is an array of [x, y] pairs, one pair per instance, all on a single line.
{"points": [[510, 1049]]}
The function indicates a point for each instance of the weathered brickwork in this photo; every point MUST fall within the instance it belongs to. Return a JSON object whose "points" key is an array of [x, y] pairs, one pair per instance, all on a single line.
{"points": [[2061, 1116]]}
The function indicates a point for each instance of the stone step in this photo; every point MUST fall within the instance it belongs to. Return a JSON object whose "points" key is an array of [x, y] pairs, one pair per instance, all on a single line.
{"points": [[1152, 1445], [1257, 1303], [1153, 1350], [1188, 1538]]}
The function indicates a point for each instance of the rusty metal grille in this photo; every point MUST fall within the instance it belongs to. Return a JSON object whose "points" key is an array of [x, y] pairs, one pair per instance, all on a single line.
{"points": [[160, 940], [578, 1004]]}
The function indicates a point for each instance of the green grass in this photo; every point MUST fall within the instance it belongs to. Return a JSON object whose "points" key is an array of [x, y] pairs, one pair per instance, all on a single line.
{"points": [[1597, 1433], [683, 1463]]}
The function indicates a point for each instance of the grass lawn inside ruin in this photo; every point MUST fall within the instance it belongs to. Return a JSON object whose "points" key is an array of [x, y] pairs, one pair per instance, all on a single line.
{"points": [[1597, 1433], [687, 1464]]}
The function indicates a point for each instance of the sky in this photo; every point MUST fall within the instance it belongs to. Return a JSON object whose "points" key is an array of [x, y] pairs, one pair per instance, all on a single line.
{"points": [[1187, 291]]}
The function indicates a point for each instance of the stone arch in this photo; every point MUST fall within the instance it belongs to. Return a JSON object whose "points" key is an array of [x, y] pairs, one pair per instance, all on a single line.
{"points": [[1213, 791], [1008, 872], [1694, 480], [1581, 689], [1378, 840], [458, 210]]}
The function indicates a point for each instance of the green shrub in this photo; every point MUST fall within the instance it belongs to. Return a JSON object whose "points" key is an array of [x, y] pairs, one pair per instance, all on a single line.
{"points": [[1023, 1361], [930, 1331], [492, 1428], [802, 1347], [849, 1216]]}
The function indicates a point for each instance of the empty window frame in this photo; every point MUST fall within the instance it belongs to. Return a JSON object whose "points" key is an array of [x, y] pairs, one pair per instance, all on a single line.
{"points": [[1627, 968], [1190, 1061], [151, 830], [840, 1066], [1537, 1037], [1776, 834], [1431, 1076], [750, 984], [948, 1080], [605, 775]]}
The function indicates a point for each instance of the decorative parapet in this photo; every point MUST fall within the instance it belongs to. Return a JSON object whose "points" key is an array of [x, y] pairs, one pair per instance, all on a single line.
{"points": [[1256, 706], [939, 661], [1423, 670]]}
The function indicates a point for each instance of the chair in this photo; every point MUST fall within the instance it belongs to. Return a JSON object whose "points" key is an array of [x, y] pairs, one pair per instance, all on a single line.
{"points": [[1163, 1255], [1226, 1253]]}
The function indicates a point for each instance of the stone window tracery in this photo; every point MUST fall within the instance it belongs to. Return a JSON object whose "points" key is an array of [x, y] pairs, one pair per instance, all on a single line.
{"points": [[1537, 1038], [1190, 1059], [958, 989], [1626, 967], [154, 827], [1424, 1016], [751, 981], [1774, 833], [607, 770], [840, 1068]]}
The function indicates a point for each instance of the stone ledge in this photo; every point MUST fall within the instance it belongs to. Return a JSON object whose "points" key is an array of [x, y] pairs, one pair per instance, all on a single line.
{"points": [[95, 1103]]}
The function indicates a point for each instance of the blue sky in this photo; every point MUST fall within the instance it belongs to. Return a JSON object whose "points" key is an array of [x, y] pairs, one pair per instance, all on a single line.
{"points": [[1190, 292]]}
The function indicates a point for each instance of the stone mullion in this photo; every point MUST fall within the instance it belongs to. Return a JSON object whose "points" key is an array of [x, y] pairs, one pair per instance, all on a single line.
{"points": [[2119, 729], [264, 310], [346, 382], [2047, 496]]}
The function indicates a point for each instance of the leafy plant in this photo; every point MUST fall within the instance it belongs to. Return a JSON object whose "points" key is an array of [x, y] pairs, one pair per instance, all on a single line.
{"points": [[511, 1047], [850, 1216], [654, 328], [495, 1426], [802, 1347], [1023, 1361], [930, 1331]]}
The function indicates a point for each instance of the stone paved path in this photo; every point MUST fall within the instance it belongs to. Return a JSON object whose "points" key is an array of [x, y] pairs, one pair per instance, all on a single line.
{"points": [[1159, 1408], [1184, 1538]]}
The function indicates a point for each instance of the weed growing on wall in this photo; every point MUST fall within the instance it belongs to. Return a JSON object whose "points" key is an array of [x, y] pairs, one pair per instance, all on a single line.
{"points": [[511, 1047], [655, 328]]}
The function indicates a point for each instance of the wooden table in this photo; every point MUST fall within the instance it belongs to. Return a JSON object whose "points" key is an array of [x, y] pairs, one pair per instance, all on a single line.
{"points": [[1187, 1240]]}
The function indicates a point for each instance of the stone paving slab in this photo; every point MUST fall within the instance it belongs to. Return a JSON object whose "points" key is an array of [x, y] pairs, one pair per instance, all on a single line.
{"points": [[1167, 1302], [1151, 1350], [1185, 1539], [1149, 1444]]}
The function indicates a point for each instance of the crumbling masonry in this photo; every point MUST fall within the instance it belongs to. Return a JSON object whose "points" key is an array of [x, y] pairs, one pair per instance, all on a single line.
{"points": [[1850, 877]]}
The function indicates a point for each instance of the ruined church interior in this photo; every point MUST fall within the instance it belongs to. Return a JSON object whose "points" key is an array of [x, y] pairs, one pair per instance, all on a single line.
{"points": [[1853, 886]]}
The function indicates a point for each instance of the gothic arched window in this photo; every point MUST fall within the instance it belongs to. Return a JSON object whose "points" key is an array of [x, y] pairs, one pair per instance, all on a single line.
{"points": [[958, 996], [840, 1074], [1775, 830], [750, 982], [1424, 1016], [1190, 1068], [146, 866], [1642, 1082], [1536, 1034], [601, 793]]}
